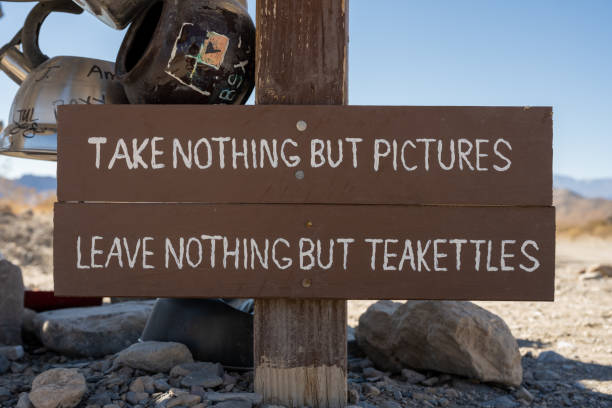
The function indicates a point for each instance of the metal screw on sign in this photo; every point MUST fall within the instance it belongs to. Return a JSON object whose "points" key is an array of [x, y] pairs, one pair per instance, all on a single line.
{"points": [[301, 125], [306, 283], [299, 175]]}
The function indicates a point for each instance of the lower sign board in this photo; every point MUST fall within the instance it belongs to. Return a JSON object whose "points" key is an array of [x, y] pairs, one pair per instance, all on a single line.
{"points": [[304, 251]]}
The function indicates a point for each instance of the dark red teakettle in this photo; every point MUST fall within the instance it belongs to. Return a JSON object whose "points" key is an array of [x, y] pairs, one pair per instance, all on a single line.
{"points": [[189, 52]]}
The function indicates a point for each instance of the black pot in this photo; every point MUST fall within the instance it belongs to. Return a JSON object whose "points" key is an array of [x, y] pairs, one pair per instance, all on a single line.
{"points": [[189, 52], [213, 330]]}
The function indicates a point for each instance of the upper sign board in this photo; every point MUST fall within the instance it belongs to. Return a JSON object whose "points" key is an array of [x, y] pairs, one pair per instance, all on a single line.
{"points": [[306, 154]]}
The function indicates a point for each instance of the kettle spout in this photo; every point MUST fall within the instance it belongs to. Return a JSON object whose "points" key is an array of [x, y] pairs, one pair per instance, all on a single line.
{"points": [[14, 64]]}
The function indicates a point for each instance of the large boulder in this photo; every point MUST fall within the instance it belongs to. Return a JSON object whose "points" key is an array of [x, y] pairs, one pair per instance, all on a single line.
{"points": [[92, 331], [154, 356], [11, 303], [58, 388], [445, 336]]}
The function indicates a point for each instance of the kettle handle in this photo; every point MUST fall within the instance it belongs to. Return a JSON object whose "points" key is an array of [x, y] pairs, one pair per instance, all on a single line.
{"points": [[33, 23]]}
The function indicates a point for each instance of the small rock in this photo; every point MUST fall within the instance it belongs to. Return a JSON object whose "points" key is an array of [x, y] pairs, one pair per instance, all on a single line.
{"points": [[5, 394], [523, 394], [390, 404], [149, 384], [550, 357], [370, 390], [229, 379], [161, 385], [234, 404], [591, 276], [546, 375], [184, 400], [154, 356], [184, 369], [24, 401], [602, 269], [4, 364], [370, 372], [353, 396], [101, 398], [412, 377], [58, 388], [137, 385], [11, 303], [112, 406], [92, 331], [351, 341], [12, 352], [196, 390], [430, 381], [17, 368], [251, 397], [500, 402], [136, 397], [204, 379], [365, 363]]}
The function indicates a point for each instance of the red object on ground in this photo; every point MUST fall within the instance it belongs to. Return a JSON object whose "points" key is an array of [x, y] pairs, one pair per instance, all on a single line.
{"points": [[41, 301]]}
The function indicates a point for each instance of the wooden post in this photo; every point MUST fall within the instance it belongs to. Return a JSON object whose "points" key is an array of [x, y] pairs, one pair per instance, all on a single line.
{"points": [[300, 345]]}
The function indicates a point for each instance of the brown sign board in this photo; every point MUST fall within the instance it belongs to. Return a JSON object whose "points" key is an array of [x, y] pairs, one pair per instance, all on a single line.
{"points": [[306, 154], [304, 251]]}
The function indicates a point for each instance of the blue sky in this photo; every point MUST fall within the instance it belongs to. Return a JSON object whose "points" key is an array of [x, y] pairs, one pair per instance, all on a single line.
{"points": [[433, 52]]}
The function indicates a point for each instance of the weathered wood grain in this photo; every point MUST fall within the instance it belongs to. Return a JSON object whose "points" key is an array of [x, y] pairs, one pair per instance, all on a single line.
{"points": [[302, 59]]}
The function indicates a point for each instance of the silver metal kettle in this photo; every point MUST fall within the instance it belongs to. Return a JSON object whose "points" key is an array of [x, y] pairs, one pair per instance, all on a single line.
{"points": [[32, 128]]}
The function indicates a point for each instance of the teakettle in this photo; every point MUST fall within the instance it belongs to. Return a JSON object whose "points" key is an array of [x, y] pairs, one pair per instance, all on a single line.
{"points": [[32, 128], [189, 51]]}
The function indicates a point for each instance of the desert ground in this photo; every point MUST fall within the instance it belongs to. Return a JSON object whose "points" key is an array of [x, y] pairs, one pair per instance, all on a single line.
{"points": [[577, 325]]}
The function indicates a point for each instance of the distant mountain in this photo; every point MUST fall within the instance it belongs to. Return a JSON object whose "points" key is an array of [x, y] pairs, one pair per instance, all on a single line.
{"points": [[575, 210], [595, 188], [38, 183], [27, 189]]}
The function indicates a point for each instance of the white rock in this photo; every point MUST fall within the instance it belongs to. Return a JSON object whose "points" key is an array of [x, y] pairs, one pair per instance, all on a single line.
{"points": [[154, 356], [601, 269], [449, 337], [58, 388], [93, 331]]}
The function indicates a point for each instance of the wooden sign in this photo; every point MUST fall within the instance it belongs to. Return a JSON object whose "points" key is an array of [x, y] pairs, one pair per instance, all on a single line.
{"points": [[306, 154], [305, 251], [302, 207]]}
